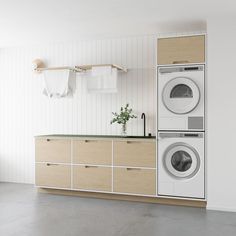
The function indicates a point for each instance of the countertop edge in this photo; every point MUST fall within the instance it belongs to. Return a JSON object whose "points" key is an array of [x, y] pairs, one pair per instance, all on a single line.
{"points": [[92, 137]]}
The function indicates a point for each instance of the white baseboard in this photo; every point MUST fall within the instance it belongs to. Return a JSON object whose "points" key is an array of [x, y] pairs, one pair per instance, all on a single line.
{"points": [[221, 208]]}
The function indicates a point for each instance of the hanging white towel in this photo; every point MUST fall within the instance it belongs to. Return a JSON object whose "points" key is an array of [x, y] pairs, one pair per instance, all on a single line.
{"points": [[57, 83], [101, 70], [103, 79]]}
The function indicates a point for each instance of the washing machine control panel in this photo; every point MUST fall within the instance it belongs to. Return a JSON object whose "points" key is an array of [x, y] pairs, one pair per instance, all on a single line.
{"points": [[180, 135]]}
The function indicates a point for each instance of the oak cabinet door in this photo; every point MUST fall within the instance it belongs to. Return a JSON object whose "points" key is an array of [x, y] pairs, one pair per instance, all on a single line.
{"points": [[97, 152], [92, 178], [135, 181], [134, 153], [52, 150], [181, 50], [53, 175]]}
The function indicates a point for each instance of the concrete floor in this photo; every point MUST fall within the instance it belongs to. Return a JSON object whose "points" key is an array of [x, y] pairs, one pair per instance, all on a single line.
{"points": [[25, 212]]}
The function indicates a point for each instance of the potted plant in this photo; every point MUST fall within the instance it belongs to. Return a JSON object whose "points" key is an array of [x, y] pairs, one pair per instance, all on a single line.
{"points": [[122, 118]]}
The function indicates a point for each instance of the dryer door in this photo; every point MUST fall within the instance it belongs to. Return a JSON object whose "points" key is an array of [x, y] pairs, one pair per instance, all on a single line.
{"points": [[181, 95], [181, 160]]}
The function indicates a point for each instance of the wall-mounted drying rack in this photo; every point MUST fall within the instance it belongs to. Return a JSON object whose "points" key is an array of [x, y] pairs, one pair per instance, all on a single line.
{"points": [[89, 67], [39, 66], [57, 68], [101, 80]]}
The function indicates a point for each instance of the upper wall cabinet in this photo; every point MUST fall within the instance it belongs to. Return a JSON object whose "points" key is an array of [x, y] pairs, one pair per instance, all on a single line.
{"points": [[181, 50]]}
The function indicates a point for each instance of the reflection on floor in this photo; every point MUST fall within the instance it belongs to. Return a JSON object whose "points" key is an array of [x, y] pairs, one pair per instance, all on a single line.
{"points": [[25, 212]]}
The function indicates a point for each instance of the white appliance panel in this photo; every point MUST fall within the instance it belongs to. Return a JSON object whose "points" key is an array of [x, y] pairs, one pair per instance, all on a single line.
{"points": [[187, 180]]}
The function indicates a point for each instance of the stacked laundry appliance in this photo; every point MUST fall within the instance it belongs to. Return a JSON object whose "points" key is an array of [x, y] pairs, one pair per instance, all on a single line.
{"points": [[181, 126]]}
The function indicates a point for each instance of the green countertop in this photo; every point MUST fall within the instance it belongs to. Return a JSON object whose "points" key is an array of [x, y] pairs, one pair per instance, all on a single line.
{"points": [[96, 136]]}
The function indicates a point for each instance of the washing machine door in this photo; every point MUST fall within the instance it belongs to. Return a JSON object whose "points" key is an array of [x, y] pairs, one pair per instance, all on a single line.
{"points": [[181, 95], [181, 160]]}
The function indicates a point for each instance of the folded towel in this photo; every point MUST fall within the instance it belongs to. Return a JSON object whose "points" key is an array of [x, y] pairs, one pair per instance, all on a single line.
{"points": [[102, 79], [57, 83]]}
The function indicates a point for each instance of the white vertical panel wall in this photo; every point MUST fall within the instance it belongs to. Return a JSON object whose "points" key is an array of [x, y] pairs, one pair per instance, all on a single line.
{"points": [[25, 112], [221, 102]]}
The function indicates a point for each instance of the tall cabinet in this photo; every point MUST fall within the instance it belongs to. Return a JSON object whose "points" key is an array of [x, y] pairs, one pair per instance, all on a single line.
{"points": [[181, 64]]}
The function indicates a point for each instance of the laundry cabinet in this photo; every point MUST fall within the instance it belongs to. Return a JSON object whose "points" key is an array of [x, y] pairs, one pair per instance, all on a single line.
{"points": [[134, 167], [92, 164], [110, 167], [53, 162], [181, 50]]}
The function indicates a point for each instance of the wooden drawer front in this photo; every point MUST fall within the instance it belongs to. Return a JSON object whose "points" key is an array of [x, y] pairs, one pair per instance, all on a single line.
{"points": [[135, 153], [92, 178], [181, 50], [137, 181], [94, 152], [53, 150], [53, 175]]}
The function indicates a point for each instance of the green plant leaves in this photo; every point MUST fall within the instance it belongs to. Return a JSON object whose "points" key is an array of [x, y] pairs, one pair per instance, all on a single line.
{"points": [[124, 116]]}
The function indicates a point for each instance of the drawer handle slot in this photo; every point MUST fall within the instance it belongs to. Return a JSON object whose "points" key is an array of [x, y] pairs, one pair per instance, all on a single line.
{"points": [[90, 166], [52, 164], [89, 141], [129, 142], [180, 62], [129, 169]]}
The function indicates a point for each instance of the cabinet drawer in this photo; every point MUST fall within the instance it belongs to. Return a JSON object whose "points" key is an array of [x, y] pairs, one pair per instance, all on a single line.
{"points": [[53, 175], [181, 50], [134, 180], [135, 153], [92, 152], [52, 150], [92, 178]]}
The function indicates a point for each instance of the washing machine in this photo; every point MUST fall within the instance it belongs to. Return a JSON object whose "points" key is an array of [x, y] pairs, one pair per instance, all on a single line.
{"points": [[181, 98], [181, 164]]}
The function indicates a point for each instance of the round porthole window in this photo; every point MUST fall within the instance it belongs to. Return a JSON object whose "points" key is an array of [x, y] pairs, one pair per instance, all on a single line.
{"points": [[181, 160], [181, 95]]}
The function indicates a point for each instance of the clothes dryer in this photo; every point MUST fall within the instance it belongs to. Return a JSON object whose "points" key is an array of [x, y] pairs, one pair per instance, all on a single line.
{"points": [[181, 98]]}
